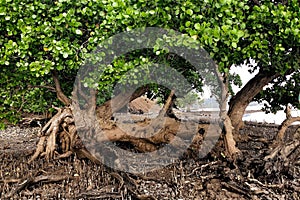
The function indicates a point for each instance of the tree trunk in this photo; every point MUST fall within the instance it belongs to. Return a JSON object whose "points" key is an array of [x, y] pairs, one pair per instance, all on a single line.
{"points": [[60, 137], [241, 100], [231, 150], [60, 95]]}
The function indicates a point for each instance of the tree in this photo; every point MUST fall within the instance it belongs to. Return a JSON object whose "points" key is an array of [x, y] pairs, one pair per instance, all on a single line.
{"points": [[276, 42], [44, 44], [189, 100]]}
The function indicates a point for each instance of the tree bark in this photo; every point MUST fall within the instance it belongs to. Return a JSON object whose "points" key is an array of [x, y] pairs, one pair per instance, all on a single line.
{"points": [[229, 141], [167, 105], [284, 125], [241, 100], [105, 111], [60, 95]]}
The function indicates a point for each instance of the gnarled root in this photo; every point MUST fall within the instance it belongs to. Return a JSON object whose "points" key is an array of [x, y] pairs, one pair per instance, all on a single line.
{"points": [[284, 150], [278, 145], [59, 138], [284, 155], [50, 133]]}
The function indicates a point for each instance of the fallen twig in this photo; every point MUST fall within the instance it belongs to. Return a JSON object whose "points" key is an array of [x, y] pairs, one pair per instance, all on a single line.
{"points": [[99, 195], [235, 189], [202, 166], [266, 185], [31, 180]]}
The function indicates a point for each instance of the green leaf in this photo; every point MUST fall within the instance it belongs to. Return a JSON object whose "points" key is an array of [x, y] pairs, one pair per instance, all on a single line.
{"points": [[197, 26], [152, 12], [189, 12], [65, 55], [234, 44], [187, 24], [78, 32], [240, 33]]}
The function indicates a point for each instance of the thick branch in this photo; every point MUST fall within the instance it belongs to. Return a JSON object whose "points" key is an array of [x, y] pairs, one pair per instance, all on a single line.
{"points": [[288, 112], [241, 100], [167, 105], [60, 95], [106, 110]]}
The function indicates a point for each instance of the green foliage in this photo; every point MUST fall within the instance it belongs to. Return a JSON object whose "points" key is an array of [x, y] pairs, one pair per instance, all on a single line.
{"points": [[281, 92], [38, 37]]}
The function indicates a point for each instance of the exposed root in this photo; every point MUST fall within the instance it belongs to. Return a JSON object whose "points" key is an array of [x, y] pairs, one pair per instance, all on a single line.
{"points": [[284, 150], [285, 124], [235, 188], [65, 155], [279, 147], [283, 158], [39, 149], [51, 133], [60, 138], [34, 179]]}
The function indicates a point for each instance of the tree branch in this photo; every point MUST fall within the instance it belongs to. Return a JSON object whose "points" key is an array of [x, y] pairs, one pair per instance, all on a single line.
{"points": [[285, 124], [239, 102], [60, 95], [50, 88], [256, 2]]}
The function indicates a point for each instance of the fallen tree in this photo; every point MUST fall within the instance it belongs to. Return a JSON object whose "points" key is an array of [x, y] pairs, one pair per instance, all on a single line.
{"points": [[59, 137]]}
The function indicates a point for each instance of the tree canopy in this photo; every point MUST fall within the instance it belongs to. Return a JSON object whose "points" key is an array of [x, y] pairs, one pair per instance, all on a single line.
{"points": [[44, 39]]}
